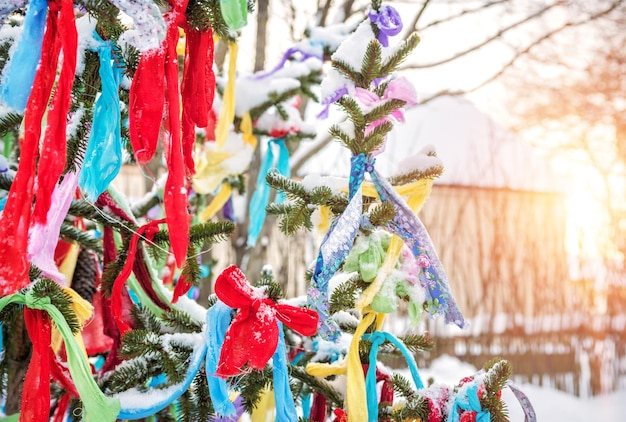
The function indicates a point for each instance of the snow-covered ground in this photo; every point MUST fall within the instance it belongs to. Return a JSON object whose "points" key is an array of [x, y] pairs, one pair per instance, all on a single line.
{"points": [[550, 405]]}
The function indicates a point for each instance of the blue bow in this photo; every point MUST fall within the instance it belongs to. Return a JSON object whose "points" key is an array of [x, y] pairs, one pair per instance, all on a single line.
{"points": [[339, 240]]}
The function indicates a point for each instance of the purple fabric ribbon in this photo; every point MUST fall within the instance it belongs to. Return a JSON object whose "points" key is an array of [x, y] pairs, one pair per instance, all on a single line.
{"points": [[388, 21], [290, 52], [326, 102]]}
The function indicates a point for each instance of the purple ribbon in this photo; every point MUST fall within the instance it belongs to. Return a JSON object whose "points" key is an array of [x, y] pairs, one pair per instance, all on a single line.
{"points": [[290, 52], [326, 102], [388, 21]]}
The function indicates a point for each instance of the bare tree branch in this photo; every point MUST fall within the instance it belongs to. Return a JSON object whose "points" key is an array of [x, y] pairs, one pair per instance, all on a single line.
{"points": [[323, 12], [460, 14], [417, 18], [494, 37], [522, 53]]}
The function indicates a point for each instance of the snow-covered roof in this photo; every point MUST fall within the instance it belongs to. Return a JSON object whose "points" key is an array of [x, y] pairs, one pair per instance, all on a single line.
{"points": [[475, 150]]}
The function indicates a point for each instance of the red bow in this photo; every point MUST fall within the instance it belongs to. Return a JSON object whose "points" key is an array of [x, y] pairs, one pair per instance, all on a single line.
{"points": [[253, 335]]}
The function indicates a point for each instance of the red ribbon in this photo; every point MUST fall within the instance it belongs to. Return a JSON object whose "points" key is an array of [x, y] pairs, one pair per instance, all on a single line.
{"points": [[198, 89], [253, 335], [175, 194], [15, 218], [53, 152], [110, 329], [146, 231], [158, 73], [36, 394], [318, 408], [182, 287], [145, 111]]}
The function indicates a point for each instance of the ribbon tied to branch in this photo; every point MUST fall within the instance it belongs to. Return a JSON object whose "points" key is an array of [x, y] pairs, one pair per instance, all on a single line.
{"points": [[388, 21], [339, 240], [253, 335]]}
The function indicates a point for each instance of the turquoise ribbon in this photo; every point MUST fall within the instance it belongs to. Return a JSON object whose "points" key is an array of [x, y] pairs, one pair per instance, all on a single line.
{"points": [[285, 405], [469, 401], [133, 408], [19, 73], [261, 195], [306, 405], [217, 322], [377, 338], [103, 158]]}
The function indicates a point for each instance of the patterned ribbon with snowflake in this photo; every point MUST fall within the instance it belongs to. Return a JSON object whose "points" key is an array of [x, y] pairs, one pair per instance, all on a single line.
{"points": [[339, 240]]}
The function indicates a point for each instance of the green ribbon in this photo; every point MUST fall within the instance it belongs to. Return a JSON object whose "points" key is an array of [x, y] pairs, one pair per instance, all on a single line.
{"points": [[97, 406]]}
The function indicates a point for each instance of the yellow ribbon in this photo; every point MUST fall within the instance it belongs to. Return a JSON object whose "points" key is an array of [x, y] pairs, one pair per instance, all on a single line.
{"points": [[246, 130], [227, 113], [80, 306], [216, 204], [324, 223], [351, 366], [264, 411], [416, 193]]}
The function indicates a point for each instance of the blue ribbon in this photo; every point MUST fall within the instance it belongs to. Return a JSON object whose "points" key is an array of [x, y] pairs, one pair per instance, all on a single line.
{"points": [[469, 401], [217, 322], [409, 227], [19, 73], [377, 338], [285, 405], [306, 405], [335, 247], [339, 240], [103, 157], [149, 406], [261, 195]]}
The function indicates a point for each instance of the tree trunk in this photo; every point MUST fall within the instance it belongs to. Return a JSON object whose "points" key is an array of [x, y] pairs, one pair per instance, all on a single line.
{"points": [[18, 351]]}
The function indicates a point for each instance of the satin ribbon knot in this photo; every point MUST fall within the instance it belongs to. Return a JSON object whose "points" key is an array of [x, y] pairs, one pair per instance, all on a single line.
{"points": [[253, 336], [388, 21]]}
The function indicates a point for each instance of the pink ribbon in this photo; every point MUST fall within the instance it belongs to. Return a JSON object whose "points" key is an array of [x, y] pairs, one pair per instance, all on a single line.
{"points": [[398, 89]]}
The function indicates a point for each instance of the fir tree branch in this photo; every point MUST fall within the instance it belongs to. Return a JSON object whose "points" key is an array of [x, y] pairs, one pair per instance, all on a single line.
{"points": [[370, 68], [404, 50], [317, 384], [83, 238], [10, 122], [181, 321], [45, 288]]}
